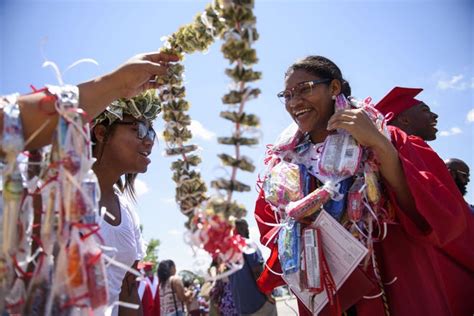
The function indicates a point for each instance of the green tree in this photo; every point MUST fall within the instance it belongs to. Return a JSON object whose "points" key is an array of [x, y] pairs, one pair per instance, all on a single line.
{"points": [[151, 254]]}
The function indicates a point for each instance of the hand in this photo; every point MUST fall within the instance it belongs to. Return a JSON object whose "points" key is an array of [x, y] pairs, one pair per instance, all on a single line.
{"points": [[138, 73], [271, 299], [359, 125]]}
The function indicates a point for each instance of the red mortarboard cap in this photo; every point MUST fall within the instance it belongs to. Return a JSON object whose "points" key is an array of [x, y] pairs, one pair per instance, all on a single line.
{"points": [[398, 100], [145, 265]]}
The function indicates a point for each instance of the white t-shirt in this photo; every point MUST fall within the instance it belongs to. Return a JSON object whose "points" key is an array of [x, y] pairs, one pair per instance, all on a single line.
{"points": [[128, 240]]}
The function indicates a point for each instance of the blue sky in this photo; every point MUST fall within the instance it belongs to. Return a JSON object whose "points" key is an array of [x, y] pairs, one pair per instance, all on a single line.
{"points": [[377, 45]]}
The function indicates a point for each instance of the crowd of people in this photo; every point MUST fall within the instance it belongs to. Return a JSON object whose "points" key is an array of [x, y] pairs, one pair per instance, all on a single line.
{"points": [[423, 265]]}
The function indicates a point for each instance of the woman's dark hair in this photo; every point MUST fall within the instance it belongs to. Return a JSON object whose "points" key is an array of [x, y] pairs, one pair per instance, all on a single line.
{"points": [[321, 67], [164, 271], [129, 185]]}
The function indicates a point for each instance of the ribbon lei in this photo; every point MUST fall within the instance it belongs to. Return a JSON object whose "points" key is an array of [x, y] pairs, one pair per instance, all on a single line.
{"points": [[328, 281]]}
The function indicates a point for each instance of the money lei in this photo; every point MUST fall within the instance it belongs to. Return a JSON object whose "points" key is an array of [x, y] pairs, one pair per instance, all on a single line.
{"points": [[234, 22]]}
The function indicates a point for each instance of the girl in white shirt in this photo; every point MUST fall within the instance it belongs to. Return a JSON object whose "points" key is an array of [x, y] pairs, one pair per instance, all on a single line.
{"points": [[123, 143]]}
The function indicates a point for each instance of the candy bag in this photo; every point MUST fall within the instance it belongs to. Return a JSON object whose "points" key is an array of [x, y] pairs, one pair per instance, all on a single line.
{"points": [[283, 184], [309, 204], [312, 266], [96, 276], [289, 247], [337, 204], [341, 154], [355, 197], [39, 288], [372, 183]]}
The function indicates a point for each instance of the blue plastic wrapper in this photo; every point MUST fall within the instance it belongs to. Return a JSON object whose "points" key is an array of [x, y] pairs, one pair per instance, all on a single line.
{"points": [[337, 208], [289, 247], [304, 176]]}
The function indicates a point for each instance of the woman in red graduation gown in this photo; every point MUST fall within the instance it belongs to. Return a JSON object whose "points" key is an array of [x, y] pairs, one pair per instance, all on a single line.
{"points": [[425, 256]]}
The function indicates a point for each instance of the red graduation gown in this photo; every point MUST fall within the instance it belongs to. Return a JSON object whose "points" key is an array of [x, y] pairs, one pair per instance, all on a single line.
{"points": [[434, 268], [150, 304]]}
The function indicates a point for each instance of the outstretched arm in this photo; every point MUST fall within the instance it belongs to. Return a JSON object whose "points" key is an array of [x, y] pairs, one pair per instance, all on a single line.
{"points": [[126, 81]]}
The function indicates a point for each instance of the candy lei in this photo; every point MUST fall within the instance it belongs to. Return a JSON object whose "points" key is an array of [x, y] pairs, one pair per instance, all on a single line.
{"points": [[210, 220], [350, 192], [69, 210], [12, 144], [366, 212]]}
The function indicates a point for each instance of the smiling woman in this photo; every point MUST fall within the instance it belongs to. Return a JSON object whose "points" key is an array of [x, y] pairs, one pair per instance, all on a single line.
{"points": [[124, 139], [395, 197]]}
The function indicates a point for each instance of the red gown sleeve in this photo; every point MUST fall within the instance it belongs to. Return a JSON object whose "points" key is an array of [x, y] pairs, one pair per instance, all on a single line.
{"points": [[268, 280], [437, 200]]}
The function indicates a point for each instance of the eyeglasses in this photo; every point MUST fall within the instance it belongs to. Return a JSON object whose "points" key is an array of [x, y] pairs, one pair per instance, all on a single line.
{"points": [[302, 90], [466, 174], [142, 129]]}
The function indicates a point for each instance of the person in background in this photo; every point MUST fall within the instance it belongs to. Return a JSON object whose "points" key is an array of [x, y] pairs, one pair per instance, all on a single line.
{"points": [[173, 295], [193, 306], [148, 290], [248, 299], [459, 170], [221, 300], [412, 116]]}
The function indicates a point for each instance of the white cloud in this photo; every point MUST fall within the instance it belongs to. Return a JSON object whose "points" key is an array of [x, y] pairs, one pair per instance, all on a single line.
{"points": [[456, 82], [141, 187], [199, 131], [171, 200], [470, 116], [452, 131], [175, 232]]}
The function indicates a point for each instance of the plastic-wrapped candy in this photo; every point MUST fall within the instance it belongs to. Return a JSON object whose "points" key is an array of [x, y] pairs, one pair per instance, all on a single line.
{"points": [[15, 299], [336, 206], [283, 184], [60, 301], [39, 288], [308, 205], [372, 183], [76, 276], [355, 197], [289, 247], [12, 194], [341, 154], [49, 223], [89, 197], [96, 278], [312, 266]]}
